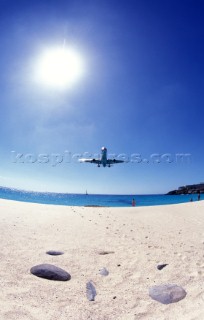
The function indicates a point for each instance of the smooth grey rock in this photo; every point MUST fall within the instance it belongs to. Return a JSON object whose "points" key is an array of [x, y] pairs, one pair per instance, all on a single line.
{"points": [[104, 272], [167, 293], [90, 291], [54, 253], [50, 272]]}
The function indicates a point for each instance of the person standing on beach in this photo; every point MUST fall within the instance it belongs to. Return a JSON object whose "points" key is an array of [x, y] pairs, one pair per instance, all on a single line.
{"points": [[133, 202], [198, 196]]}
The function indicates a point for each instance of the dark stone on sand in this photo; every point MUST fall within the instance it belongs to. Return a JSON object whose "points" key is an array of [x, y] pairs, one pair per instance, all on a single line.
{"points": [[50, 272], [104, 272], [161, 266], [90, 291], [105, 252], [54, 253], [167, 293]]}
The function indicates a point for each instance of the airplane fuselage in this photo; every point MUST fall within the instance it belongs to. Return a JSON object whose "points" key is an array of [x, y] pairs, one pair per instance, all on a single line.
{"points": [[104, 156]]}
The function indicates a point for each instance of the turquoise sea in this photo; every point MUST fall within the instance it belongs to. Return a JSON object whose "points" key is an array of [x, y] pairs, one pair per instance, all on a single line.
{"points": [[68, 199]]}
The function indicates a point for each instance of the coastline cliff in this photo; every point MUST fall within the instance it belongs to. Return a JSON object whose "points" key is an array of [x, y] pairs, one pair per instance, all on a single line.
{"points": [[189, 189]]}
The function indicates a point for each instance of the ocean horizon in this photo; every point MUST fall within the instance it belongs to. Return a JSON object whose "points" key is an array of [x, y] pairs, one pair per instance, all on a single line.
{"points": [[103, 200]]}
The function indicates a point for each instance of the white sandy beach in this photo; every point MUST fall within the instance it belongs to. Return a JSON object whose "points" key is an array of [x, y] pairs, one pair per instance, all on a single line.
{"points": [[140, 239]]}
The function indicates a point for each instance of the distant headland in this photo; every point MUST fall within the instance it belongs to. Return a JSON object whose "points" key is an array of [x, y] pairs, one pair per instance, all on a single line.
{"points": [[190, 189]]}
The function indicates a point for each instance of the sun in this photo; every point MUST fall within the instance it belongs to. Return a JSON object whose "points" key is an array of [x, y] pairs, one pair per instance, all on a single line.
{"points": [[59, 67]]}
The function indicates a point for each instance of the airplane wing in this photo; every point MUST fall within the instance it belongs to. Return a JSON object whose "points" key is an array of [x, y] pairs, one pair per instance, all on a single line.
{"points": [[114, 161], [96, 161]]}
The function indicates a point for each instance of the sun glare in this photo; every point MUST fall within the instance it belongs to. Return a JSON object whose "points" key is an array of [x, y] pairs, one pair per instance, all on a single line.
{"points": [[59, 68]]}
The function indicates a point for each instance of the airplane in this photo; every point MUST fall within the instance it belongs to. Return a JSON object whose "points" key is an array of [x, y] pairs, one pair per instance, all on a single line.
{"points": [[103, 160]]}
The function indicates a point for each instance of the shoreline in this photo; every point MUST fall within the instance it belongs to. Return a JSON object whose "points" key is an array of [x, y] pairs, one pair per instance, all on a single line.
{"points": [[104, 203], [102, 200], [103, 206], [137, 238]]}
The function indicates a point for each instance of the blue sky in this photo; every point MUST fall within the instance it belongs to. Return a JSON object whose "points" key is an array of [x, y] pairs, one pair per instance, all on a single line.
{"points": [[141, 93]]}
